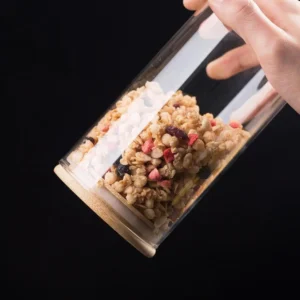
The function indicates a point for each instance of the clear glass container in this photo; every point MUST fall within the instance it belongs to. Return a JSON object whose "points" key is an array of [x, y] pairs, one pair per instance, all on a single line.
{"points": [[146, 162]]}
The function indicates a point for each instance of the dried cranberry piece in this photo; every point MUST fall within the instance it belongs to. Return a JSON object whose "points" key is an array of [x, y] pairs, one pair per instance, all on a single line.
{"points": [[165, 183], [168, 155], [154, 175], [235, 125], [213, 123], [148, 146], [105, 128], [193, 138], [174, 131]]}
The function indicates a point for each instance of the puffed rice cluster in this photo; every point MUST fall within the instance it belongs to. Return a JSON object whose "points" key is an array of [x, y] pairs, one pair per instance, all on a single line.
{"points": [[157, 174]]}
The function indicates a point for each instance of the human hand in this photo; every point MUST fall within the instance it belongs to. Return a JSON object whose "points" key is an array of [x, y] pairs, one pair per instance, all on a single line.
{"points": [[271, 30]]}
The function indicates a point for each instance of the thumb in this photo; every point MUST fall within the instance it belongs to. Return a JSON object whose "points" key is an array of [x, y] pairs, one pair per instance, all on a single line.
{"points": [[248, 21]]}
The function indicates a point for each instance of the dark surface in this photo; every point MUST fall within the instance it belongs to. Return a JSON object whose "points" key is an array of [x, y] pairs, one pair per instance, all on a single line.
{"points": [[74, 59]]}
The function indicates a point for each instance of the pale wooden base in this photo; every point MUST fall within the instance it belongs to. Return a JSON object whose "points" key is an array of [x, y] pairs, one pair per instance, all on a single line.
{"points": [[105, 212]]}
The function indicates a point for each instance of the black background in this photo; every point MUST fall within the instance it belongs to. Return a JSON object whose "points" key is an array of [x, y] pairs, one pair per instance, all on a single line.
{"points": [[73, 59]]}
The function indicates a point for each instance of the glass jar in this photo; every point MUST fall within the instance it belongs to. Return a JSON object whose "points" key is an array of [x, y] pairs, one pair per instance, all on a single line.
{"points": [[153, 155]]}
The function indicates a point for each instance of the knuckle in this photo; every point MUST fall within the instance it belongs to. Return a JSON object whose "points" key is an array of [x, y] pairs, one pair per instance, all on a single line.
{"points": [[242, 8]]}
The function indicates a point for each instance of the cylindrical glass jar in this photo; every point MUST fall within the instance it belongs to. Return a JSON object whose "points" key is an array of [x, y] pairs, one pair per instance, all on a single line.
{"points": [[151, 157]]}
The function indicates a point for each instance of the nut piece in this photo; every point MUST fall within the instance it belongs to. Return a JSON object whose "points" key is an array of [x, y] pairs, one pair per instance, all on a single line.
{"points": [[162, 195], [149, 213], [140, 156], [139, 181], [131, 199], [129, 190], [127, 180], [187, 161], [110, 177], [155, 129], [150, 168], [156, 162], [160, 221], [177, 163], [134, 145], [167, 171], [119, 186], [166, 139], [138, 170], [166, 118], [124, 161], [209, 136], [206, 126], [174, 141], [229, 145], [157, 153], [193, 169], [145, 135], [212, 147], [141, 170], [198, 145], [149, 203], [203, 155], [226, 135], [129, 153]]}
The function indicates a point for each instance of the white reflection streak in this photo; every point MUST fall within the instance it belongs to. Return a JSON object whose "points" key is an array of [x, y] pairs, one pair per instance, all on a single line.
{"points": [[254, 104], [212, 28], [247, 91], [192, 54]]}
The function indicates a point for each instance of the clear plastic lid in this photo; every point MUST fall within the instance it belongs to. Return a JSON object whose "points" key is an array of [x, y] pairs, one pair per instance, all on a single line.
{"points": [[155, 152]]}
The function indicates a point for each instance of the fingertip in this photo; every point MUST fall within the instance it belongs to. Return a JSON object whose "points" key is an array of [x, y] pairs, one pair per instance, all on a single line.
{"points": [[213, 71], [208, 71], [193, 4], [188, 4]]}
